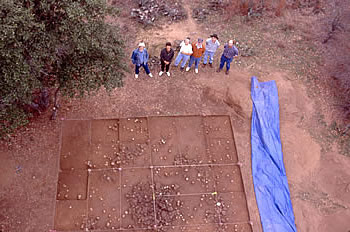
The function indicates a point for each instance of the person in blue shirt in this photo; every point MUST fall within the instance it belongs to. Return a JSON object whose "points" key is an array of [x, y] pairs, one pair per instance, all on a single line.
{"points": [[140, 58], [212, 44], [230, 51]]}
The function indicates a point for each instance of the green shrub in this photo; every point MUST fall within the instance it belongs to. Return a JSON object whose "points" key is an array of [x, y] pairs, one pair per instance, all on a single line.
{"points": [[55, 44]]}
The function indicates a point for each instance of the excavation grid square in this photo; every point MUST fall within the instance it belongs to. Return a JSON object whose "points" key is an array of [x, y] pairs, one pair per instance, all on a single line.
{"points": [[150, 174]]}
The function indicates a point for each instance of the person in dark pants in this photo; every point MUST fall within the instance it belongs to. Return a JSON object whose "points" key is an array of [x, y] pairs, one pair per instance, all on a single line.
{"points": [[140, 58], [166, 56], [230, 51]]}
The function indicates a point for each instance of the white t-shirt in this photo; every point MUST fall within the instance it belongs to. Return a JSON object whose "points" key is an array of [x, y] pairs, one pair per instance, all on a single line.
{"points": [[186, 48]]}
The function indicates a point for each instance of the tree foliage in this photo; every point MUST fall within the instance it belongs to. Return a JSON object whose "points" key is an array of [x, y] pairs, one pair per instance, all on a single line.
{"points": [[54, 44]]}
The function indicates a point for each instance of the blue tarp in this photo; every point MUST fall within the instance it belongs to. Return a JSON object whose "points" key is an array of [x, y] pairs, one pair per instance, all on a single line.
{"points": [[269, 175]]}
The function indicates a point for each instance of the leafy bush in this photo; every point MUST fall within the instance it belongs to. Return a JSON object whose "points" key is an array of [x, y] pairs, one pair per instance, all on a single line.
{"points": [[55, 44]]}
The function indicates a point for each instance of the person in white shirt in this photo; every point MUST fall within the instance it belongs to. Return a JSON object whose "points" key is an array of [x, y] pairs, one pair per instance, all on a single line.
{"points": [[184, 54]]}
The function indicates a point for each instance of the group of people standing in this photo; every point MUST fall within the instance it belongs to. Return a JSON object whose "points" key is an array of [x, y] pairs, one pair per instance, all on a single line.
{"points": [[192, 52]]}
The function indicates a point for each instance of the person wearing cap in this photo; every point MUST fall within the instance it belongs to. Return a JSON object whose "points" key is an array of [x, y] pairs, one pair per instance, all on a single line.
{"points": [[184, 53], [140, 58], [230, 51], [212, 44], [166, 56], [198, 49]]}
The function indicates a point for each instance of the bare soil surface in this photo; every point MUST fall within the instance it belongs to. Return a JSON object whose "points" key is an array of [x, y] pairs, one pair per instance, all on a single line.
{"points": [[318, 175], [185, 173]]}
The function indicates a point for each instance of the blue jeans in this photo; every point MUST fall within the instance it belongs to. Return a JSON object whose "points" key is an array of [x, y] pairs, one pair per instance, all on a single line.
{"points": [[210, 55], [195, 60], [227, 60], [145, 66], [182, 57]]}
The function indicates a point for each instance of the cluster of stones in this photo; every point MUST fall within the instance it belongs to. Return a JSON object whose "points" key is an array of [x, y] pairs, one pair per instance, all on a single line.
{"points": [[150, 10]]}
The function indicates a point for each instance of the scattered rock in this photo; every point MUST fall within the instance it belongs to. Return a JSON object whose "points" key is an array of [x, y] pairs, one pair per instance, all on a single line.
{"points": [[150, 11], [216, 5], [128, 153], [176, 45], [141, 205], [245, 50], [153, 62], [200, 14]]}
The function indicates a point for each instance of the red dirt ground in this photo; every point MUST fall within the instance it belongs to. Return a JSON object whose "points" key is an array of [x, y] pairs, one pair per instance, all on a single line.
{"points": [[318, 177], [194, 155]]}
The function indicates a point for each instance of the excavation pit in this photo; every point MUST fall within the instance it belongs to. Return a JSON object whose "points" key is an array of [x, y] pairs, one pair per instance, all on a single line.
{"points": [[150, 174]]}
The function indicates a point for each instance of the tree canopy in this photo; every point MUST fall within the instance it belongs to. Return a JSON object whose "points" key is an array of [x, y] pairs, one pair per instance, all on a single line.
{"points": [[62, 45]]}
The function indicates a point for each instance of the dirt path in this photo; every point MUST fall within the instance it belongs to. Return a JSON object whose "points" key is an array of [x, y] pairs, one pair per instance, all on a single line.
{"points": [[191, 24], [174, 31]]}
